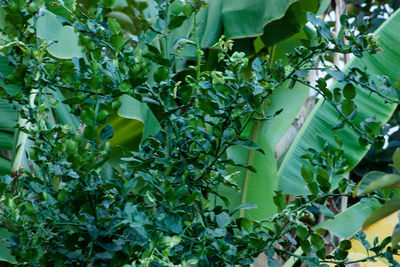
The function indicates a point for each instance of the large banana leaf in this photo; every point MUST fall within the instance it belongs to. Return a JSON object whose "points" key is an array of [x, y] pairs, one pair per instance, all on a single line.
{"points": [[243, 18], [8, 119], [274, 20], [288, 99], [5, 254], [350, 221], [318, 128], [258, 188], [133, 122]]}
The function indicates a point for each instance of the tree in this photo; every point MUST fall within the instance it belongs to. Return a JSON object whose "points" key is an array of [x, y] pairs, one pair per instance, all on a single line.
{"points": [[133, 149]]}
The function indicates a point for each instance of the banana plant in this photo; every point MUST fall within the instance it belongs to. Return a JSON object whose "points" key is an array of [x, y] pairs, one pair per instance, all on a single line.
{"points": [[319, 126], [368, 214], [259, 187]]}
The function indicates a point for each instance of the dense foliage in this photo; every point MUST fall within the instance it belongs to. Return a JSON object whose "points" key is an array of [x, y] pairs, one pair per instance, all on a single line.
{"points": [[78, 201]]}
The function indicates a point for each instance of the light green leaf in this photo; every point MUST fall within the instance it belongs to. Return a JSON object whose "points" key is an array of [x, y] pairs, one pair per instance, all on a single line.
{"points": [[396, 160], [344, 227], [8, 119], [318, 127], [276, 20], [256, 188], [388, 208], [396, 235], [5, 166], [254, 18], [366, 180], [122, 19], [133, 122], [292, 99], [5, 252], [384, 182], [61, 10], [65, 40], [323, 6], [290, 23]]}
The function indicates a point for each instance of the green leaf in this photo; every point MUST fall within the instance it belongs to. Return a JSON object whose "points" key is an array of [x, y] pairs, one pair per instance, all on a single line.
{"points": [[345, 245], [292, 99], [65, 40], [336, 74], [348, 107], [176, 7], [248, 145], [256, 188], [307, 173], [133, 121], [223, 220], [176, 21], [349, 91], [118, 41], [280, 201], [174, 224], [396, 235], [317, 241], [59, 10], [5, 166], [187, 9], [302, 232], [5, 252], [8, 119], [366, 180], [350, 221], [396, 160], [241, 18], [323, 6], [246, 225], [161, 74], [388, 208], [316, 129], [383, 182], [122, 18], [107, 133], [324, 210], [275, 20], [114, 26]]}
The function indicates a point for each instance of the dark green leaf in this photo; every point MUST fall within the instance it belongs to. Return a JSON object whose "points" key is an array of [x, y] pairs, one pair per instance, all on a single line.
{"points": [[107, 133], [349, 91], [307, 173], [161, 74]]}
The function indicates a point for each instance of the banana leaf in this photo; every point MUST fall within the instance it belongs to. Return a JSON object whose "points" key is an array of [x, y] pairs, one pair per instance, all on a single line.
{"points": [[65, 40], [243, 19], [133, 122], [258, 187], [274, 20], [350, 221], [5, 253], [8, 119], [318, 127]]}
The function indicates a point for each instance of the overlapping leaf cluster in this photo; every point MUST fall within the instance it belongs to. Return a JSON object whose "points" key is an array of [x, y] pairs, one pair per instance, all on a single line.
{"points": [[159, 205]]}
